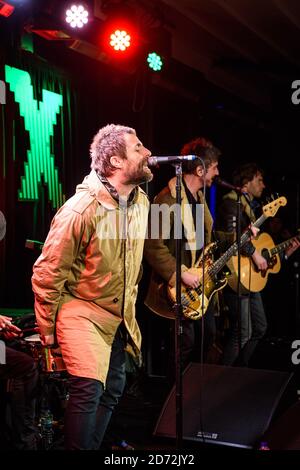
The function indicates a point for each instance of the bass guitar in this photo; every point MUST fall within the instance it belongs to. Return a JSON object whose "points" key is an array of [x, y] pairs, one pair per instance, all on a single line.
{"points": [[196, 301]]}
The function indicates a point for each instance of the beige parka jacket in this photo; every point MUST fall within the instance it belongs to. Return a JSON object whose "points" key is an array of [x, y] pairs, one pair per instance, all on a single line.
{"points": [[85, 280]]}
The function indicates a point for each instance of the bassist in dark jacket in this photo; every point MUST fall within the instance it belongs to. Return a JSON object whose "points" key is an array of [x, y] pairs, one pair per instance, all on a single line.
{"points": [[160, 251]]}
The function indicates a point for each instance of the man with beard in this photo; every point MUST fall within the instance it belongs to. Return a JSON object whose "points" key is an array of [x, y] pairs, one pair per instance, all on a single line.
{"points": [[85, 281]]}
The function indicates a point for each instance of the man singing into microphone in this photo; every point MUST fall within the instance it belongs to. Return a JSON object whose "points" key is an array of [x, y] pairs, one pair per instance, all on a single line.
{"points": [[86, 281], [160, 252]]}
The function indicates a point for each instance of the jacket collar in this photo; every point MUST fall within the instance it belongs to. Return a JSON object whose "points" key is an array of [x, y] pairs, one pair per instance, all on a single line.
{"points": [[172, 188], [187, 218], [97, 189]]}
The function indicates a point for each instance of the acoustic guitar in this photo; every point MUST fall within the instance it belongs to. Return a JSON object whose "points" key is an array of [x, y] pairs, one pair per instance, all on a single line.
{"points": [[196, 301], [252, 279]]}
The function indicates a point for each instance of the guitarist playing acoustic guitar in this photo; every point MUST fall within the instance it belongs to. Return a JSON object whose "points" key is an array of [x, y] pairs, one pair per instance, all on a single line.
{"points": [[244, 335]]}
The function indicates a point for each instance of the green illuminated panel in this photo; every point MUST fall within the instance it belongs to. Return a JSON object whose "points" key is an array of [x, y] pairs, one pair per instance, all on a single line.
{"points": [[39, 118]]}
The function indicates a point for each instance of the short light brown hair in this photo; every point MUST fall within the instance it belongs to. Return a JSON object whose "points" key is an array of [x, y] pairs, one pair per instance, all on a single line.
{"points": [[108, 141]]}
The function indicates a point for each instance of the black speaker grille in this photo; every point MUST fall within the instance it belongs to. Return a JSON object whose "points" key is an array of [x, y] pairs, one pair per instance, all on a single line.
{"points": [[224, 405]]}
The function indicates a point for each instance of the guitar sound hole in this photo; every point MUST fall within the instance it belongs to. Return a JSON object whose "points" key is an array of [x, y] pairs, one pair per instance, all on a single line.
{"points": [[265, 253]]}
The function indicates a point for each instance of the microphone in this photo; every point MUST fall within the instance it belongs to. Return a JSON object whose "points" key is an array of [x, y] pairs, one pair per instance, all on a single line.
{"points": [[153, 161], [223, 183]]}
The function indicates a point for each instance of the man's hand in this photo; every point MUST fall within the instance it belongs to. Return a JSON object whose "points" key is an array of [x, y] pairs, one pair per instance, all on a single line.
{"points": [[295, 243], [9, 330], [5, 322], [260, 261], [48, 341], [254, 230], [190, 280]]}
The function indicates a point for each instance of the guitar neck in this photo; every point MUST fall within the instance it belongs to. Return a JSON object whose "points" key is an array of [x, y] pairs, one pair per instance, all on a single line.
{"points": [[232, 250], [282, 246]]}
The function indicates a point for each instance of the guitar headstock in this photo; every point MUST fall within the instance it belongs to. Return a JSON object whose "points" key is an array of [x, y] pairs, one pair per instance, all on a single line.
{"points": [[269, 210]]}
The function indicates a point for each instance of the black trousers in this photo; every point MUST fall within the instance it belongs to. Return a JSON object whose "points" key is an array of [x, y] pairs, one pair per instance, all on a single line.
{"points": [[90, 405]]}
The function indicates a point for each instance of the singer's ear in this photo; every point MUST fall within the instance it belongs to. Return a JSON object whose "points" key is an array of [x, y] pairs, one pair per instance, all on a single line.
{"points": [[116, 161], [200, 170]]}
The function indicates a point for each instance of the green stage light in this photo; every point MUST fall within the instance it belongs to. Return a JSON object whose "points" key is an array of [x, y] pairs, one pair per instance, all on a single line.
{"points": [[154, 61]]}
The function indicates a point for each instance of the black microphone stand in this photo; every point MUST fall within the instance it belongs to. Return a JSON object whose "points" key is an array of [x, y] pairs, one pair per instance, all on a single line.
{"points": [[178, 308], [239, 299], [239, 193], [238, 239]]}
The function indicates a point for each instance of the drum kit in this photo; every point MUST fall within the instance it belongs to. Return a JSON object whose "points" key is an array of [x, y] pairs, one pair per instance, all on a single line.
{"points": [[53, 393], [52, 390]]}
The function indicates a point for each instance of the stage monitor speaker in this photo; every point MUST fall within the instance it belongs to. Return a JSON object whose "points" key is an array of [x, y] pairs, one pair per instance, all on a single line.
{"points": [[224, 405]]}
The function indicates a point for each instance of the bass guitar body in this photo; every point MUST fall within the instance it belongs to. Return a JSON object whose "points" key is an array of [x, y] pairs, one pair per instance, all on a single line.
{"points": [[196, 301]]}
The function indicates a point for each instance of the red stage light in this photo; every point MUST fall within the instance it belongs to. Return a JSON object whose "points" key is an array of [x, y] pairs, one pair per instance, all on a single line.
{"points": [[120, 40], [6, 9]]}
